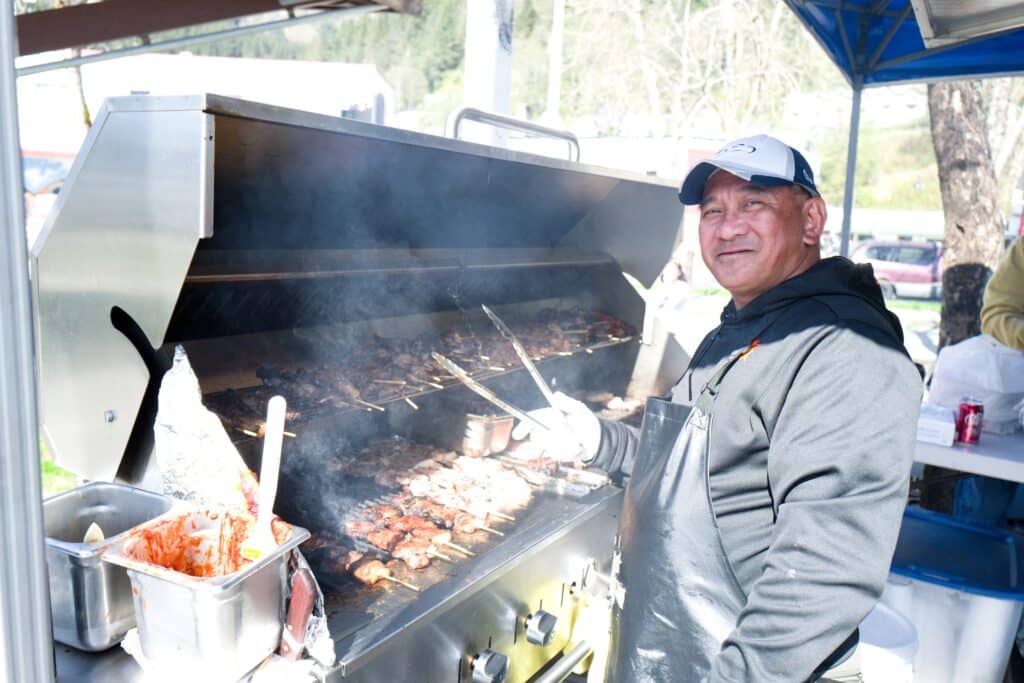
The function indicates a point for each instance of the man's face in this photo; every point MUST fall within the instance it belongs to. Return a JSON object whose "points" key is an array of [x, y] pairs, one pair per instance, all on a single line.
{"points": [[753, 238]]}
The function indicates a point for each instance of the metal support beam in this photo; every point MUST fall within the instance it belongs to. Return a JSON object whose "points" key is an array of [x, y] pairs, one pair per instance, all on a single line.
{"points": [[101, 22], [851, 170], [852, 9], [26, 640], [847, 50], [887, 38], [178, 43]]}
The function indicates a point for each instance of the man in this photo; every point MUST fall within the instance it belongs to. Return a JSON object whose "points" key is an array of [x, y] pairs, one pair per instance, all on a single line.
{"points": [[758, 527]]}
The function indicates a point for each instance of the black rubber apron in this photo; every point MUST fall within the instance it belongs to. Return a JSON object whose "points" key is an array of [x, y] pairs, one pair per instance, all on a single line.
{"points": [[681, 597]]}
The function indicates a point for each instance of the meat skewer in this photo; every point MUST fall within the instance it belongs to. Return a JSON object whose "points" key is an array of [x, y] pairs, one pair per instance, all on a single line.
{"points": [[372, 571], [442, 537], [415, 553], [414, 506], [467, 523], [421, 527]]}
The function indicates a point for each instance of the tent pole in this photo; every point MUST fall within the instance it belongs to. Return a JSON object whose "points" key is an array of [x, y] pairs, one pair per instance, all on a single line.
{"points": [[851, 169], [26, 641]]}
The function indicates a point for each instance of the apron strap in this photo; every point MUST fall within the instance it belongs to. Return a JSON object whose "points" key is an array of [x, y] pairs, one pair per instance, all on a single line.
{"points": [[709, 393]]}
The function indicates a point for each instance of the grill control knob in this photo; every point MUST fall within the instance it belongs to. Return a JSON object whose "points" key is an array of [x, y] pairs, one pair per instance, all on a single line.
{"points": [[540, 628], [490, 667]]}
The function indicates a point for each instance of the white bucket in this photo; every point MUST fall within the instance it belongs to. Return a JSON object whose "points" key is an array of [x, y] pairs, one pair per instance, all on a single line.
{"points": [[888, 644]]}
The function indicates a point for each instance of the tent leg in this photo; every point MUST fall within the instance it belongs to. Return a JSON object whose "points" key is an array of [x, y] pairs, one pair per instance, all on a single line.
{"points": [[26, 641], [851, 170]]}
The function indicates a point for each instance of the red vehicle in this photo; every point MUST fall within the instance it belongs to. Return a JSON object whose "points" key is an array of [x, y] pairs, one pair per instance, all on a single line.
{"points": [[902, 268]]}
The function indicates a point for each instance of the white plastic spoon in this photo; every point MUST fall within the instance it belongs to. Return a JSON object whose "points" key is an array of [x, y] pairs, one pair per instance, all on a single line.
{"points": [[261, 540]]}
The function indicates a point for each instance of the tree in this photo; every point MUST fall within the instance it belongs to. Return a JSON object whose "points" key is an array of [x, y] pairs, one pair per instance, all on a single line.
{"points": [[974, 228], [970, 202]]}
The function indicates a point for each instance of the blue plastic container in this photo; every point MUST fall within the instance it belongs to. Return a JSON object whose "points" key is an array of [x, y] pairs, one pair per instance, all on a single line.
{"points": [[962, 586]]}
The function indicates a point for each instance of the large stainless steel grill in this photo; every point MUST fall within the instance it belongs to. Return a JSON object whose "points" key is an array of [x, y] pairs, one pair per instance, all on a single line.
{"points": [[278, 244]]}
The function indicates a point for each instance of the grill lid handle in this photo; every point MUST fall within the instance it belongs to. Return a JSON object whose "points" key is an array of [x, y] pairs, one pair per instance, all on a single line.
{"points": [[510, 123]]}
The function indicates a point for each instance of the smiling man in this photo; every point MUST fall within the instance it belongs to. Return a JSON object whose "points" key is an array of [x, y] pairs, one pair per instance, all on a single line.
{"points": [[764, 499]]}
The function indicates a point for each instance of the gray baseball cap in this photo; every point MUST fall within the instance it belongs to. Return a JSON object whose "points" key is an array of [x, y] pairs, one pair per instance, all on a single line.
{"points": [[760, 159]]}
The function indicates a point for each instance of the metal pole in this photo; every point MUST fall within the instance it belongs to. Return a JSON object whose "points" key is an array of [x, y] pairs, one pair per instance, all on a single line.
{"points": [[851, 170], [26, 641], [487, 75]]}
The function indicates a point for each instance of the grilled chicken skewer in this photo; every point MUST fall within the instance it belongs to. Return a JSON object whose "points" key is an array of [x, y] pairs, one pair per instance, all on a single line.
{"points": [[372, 571], [415, 553], [421, 527], [423, 506]]}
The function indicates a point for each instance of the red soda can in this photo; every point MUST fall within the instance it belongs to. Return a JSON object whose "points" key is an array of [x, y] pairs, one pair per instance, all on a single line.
{"points": [[968, 420]]}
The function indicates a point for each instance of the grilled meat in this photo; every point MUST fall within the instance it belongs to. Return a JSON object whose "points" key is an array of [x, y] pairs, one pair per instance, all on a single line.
{"points": [[415, 552], [380, 370], [385, 539], [370, 571]]}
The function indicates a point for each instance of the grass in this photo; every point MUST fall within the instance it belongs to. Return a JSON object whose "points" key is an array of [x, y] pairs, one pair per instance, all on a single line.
{"points": [[55, 479], [915, 304]]}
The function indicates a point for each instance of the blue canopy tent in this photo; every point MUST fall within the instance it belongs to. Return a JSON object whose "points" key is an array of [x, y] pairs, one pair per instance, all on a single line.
{"points": [[888, 42]]}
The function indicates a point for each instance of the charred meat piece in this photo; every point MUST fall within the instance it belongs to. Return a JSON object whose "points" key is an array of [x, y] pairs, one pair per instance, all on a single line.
{"points": [[370, 571], [384, 513], [465, 523], [340, 560], [360, 528], [415, 552], [434, 534], [385, 539], [408, 523]]}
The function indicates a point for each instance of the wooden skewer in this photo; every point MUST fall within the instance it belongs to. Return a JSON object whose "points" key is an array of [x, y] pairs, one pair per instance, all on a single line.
{"points": [[426, 382], [400, 582], [491, 531], [396, 382], [464, 551], [411, 403], [255, 435], [496, 368], [372, 406], [502, 515], [439, 555]]}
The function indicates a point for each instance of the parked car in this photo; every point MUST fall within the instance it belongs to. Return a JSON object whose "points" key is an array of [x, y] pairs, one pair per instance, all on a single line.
{"points": [[904, 268]]}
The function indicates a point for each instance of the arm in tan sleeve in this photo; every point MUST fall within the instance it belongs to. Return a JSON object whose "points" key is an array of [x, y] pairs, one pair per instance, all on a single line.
{"points": [[1002, 311]]}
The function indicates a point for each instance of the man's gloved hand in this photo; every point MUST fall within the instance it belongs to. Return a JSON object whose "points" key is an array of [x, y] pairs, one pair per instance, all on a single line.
{"points": [[574, 433]]}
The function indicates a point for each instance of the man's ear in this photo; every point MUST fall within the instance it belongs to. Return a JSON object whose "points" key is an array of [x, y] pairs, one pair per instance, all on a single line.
{"points": [[814, 214]]}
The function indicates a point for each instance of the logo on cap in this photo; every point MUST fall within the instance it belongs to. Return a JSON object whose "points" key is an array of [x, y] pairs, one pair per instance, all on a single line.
{"points": [[738, 147]]}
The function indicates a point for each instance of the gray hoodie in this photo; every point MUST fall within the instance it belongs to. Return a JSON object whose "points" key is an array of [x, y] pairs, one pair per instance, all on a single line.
{"points": [[811, 442]]}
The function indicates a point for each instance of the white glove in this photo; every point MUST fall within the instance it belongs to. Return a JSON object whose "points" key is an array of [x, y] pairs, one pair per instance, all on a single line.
{"points": [[573, 433]]}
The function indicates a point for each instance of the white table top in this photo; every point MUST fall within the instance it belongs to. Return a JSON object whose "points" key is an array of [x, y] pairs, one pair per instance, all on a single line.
{"points": [[994, 455]]}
